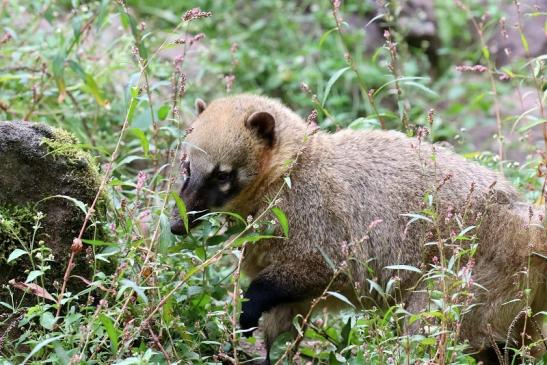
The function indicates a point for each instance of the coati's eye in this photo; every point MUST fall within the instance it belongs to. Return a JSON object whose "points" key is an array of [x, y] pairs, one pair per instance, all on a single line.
{"points": [[223, 176]]}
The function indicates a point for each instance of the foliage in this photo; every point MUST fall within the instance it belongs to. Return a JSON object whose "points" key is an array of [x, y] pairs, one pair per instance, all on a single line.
{"points": [[123, 79], [15, 227]]}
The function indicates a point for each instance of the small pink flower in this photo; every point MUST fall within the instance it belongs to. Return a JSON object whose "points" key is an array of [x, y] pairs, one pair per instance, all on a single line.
{"points": [[373, 224], [195, 13], [141, 180], [305, 88], [312, 118], [179, 60], [229, 80], [344, 249], [475, 68]]}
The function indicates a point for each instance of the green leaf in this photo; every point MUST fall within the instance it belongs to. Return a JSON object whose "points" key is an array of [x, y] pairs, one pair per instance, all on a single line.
{"points": [[523, 115], [400, 79], [464, 231], [133, 103], [124, 20], [421, 87], [61, 353], [57, 66], [326, 257], [374, 285], [47, 320], [230, 214], [93, 88], [77, 28], [167, 311], [325, 36], [128, 159], [33, 275], [16, 254], [163, 112], [538, 66], [99, 243], [403, 267], [416, 217], [182, 209], [138, 289], [346, 330], [90, 85], [134, 91], [532, 125], [112, 332], [139, 133], [341, 297], [103, 11], [76, 202], [251, 238], [40, 346], [524, 42], [364, 124], [283, 221], [331, 82], [166, 238], [279, 346], [288, 181], [336, 359], [77, 68], [428, 341], [486, 53]]}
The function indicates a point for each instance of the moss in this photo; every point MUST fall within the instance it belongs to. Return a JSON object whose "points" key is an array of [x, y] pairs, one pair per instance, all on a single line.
{"points": [[15, 228], [65, 145]]}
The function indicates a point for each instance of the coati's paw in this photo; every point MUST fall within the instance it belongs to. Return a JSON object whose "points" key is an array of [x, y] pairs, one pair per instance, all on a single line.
{"points": [[248, 320]]}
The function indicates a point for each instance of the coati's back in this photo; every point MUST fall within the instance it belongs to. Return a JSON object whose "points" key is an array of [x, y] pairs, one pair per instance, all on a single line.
{"points": [[348, 181]]}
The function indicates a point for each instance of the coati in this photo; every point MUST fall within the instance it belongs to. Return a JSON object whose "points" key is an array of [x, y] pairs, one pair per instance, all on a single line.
{"points": [[349, 203]]}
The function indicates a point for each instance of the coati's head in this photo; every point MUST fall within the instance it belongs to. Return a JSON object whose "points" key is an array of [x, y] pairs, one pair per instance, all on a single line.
{"points": [[234, 146]]}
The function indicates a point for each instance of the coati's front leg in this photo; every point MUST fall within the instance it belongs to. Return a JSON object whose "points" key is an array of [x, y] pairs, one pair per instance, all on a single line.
{"points": [[281, 292]]}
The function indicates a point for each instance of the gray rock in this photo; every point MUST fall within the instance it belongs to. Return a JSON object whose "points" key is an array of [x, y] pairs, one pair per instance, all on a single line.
{"points": [[38, 162]]}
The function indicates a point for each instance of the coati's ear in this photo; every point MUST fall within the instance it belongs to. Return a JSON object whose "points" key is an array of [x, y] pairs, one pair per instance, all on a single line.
{"points": [[200, 106], [263, 124]]}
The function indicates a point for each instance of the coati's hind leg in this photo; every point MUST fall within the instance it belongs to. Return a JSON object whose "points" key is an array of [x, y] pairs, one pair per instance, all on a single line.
{"points": [[416, 303], [279, 320]]}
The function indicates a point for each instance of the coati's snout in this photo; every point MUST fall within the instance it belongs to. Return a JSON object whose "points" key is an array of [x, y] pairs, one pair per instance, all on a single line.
{"points": [[177, 225], [223, 156], [204, 189]]}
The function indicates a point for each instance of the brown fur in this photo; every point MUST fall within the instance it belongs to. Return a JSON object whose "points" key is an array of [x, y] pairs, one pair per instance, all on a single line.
{"points": [[343, 182]]}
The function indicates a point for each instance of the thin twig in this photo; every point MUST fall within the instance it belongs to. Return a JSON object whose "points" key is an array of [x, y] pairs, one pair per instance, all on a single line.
{"points": [[158, 344], [495, 346]]}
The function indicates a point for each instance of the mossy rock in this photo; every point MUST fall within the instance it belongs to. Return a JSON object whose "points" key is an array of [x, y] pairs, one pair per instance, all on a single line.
{"points": [[38, 165]]}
